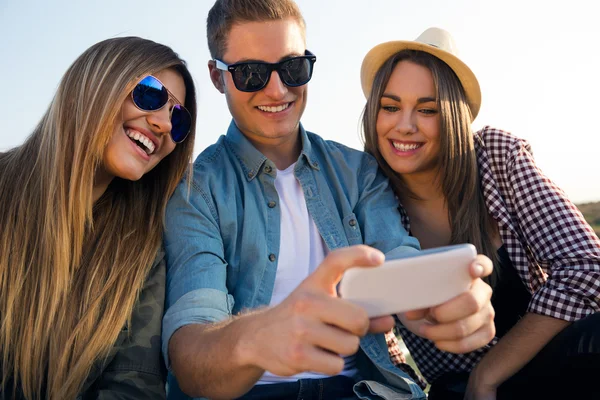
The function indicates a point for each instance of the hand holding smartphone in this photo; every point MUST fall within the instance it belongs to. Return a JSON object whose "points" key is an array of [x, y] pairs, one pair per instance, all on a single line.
{"points": [[426, 279]]}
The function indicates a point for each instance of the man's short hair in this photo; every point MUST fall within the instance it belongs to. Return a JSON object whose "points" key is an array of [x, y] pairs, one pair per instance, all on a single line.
{"points": [[225, 13]]}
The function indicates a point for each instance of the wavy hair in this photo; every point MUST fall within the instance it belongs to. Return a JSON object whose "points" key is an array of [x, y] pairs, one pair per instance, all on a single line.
{"points": [[71, 269]]}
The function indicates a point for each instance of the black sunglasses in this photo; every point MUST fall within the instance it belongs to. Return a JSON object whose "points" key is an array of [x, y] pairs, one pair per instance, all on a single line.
{"points": [[252, 76], [151, 95]]}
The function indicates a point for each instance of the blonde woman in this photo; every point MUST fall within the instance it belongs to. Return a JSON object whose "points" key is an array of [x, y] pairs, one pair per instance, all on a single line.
{"points": [[456, 186], [81, 211]]}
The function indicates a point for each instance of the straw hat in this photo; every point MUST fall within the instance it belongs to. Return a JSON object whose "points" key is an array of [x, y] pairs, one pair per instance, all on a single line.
{"points": [[434, 41]]}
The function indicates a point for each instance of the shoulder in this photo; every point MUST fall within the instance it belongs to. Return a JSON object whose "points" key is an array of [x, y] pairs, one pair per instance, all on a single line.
{"points": [[341, 154], [212, 166], [211, 158], [500, 148], [212, 152], [498, 140]]}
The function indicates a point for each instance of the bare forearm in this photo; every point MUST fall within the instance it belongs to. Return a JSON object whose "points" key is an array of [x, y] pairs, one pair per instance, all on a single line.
{"points": [[208, 360], [518, 347]]}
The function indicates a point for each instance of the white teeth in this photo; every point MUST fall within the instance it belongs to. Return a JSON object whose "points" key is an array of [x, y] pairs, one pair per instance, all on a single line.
{"points": [[406, 147], [148, 144], [274, 109]]}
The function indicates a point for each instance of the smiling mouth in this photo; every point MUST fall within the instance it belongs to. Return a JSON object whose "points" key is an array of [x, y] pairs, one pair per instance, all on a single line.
{"points": [[142, 141], [274, 109], [406, 147]]}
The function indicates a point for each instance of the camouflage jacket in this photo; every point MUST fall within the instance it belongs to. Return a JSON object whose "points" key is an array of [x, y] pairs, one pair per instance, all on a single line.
{"points": [[134, 368]]}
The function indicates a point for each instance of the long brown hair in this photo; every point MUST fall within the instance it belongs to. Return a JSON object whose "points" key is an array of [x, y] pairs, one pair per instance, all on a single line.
{"points": [[458, 173], [71, 270]]}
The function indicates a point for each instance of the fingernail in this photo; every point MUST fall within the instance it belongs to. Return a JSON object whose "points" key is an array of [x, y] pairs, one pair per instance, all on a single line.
{"points": [[478, 269], [377, 256]]}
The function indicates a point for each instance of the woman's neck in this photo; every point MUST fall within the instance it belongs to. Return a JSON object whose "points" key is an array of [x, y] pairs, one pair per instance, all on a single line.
{"points": [[101, 182], [425, 187], [427, 211]]}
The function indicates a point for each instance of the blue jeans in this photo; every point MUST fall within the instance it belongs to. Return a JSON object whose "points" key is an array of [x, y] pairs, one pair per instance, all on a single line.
{"points": [[336, 387]]}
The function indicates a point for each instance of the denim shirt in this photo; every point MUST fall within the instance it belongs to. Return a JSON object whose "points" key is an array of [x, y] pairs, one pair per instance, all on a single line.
{"points": [[222, 236]]}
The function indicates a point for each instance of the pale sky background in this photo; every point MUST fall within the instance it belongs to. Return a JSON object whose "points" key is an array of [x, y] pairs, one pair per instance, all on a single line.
{"points": [[538, 64]]}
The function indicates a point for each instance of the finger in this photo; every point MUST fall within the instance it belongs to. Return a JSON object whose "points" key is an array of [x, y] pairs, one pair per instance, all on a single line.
{"points": [[465, 304], [304, 357], [331, 310], [381, 324], [482, 266], [473, 342], [324, 336], [460, 329], [331, 270], [417, 314]]}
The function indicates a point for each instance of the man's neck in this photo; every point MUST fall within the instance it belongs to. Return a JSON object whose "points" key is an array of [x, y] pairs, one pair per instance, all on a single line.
{"points": [[283, 152]]}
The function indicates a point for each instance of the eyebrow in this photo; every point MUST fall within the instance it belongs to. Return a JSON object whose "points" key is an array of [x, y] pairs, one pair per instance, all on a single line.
{"points": [[397, 98]]}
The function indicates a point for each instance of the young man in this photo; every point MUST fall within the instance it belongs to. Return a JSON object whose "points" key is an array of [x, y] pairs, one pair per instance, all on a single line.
{"points": [[257, 242]]}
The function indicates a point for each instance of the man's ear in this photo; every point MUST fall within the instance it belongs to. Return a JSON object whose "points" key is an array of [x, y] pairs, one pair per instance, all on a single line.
{"points": [[216, 76]]}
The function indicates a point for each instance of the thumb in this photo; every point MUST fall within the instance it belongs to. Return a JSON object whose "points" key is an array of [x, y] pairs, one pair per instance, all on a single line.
{"points": [[331, 270], [481, 267]]}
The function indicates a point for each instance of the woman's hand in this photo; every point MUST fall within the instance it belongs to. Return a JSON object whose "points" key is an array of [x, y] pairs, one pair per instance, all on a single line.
{"points": [[464, 323]]}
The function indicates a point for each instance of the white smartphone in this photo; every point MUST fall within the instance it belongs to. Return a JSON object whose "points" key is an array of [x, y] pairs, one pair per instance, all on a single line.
{"points": [[420, 280]]}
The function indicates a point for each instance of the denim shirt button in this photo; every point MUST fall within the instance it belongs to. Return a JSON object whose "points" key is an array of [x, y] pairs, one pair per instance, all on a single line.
{"points": [[272, 204], [352, 222], [268, 169], [271, 257], [250, 174]]}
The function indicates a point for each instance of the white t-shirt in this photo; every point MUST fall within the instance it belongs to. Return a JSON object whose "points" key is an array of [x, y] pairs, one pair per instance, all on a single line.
{"points": [[301, 250]]}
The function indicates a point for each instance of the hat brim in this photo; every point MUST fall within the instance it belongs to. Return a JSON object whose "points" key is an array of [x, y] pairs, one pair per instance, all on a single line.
{"points": [[379, 54]]}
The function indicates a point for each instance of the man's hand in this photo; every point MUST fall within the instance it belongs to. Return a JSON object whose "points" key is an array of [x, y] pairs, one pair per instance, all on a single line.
{"points": [[464, 323], [312, 329]]}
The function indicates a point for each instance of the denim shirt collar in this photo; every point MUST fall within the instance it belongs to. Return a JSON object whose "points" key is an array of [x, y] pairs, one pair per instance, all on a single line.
{"points": [[252, 160]]}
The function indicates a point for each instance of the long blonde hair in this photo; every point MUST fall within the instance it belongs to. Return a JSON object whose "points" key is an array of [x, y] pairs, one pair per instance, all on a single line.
{"points": [[71, 269], [458, 172]]}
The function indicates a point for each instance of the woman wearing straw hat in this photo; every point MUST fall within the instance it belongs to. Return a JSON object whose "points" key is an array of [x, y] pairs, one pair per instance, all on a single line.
{"points": [[455, 186]]}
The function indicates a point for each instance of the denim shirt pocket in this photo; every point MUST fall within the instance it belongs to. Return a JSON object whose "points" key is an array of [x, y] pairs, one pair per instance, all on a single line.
{"points": [[352, 230]]}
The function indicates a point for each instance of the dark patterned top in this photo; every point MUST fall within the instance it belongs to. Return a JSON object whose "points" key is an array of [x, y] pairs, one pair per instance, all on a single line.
{"points": [[555, 252], [134, 368]]}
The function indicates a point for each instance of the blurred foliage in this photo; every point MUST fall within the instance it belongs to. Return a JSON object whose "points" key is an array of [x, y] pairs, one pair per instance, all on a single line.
{"points": [[591, 213]]}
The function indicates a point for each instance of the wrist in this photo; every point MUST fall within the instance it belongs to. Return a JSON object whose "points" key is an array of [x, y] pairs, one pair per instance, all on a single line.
{"points": [[484, 375], [246, 349]]}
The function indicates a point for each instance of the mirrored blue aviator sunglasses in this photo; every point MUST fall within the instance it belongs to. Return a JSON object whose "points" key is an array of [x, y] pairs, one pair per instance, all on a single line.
{"points": [[151, 95], [252, 76]]}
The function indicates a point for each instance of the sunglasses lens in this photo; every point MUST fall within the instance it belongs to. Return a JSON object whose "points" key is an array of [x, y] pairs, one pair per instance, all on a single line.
{"points": [[251, 77], [296, 72], [150, 94], [181, 123]]}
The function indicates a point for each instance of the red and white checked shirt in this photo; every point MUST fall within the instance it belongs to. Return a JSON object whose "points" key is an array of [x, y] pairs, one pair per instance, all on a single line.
{"points": [[555, 252]]}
